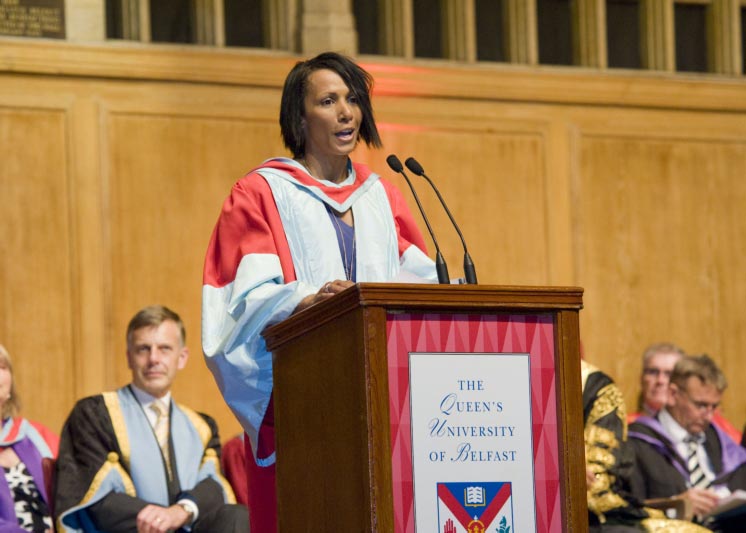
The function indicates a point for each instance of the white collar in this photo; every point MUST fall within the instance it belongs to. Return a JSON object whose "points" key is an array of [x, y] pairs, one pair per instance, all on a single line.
{"points": [[146, 398], [349, 180], [674, 429]]}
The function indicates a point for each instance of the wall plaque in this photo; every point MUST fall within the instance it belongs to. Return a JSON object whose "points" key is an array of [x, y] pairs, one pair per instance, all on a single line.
{"points": [[33, 18]]}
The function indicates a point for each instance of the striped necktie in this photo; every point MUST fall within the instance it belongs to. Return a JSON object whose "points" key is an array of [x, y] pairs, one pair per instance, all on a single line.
{"points": [[161, 430], [697, 478]]}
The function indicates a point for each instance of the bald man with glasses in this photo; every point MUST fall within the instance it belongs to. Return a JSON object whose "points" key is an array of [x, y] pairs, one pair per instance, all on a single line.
{"points": [[679, 452]]}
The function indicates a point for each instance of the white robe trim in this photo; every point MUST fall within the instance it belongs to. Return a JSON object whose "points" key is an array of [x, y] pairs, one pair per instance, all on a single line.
{"points": [[233, 316]]}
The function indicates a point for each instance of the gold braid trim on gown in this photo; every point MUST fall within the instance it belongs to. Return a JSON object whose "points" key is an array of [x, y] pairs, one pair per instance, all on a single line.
{"points": [[667, 525], [601, 444]]}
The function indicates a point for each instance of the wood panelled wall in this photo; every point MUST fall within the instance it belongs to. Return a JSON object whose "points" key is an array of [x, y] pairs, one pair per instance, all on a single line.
{"points": [[114, 162]]}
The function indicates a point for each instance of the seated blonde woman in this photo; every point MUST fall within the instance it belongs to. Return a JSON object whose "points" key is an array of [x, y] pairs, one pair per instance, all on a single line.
{"points": [[23, 444]]}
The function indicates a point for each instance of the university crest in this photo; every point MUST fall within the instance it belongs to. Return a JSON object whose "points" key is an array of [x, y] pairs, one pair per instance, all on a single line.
{"points": [[475, 507]]}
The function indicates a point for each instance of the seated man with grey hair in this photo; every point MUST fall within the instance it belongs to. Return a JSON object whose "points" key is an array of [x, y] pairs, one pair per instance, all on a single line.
{"points": [[658, 361], [135, 460], [679, 452]]}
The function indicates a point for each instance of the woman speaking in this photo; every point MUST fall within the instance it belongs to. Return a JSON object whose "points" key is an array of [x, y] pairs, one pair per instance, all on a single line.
{"points": [[292, 233]]}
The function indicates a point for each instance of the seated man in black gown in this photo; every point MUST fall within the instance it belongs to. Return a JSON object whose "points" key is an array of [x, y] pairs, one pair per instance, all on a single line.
{"points": [[679, 452], [611, 507], [134, 460]]}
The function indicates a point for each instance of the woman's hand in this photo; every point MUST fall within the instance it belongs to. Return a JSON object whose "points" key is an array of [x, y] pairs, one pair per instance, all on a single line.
{"points": [[327, 290]]}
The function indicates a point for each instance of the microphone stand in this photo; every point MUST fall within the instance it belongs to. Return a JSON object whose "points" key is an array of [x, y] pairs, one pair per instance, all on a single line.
{"points": [[440, 264], [470, 272]]}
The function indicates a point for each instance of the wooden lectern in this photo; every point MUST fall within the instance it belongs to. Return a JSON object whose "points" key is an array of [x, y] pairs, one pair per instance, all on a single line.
{"points": [[342, 453]]}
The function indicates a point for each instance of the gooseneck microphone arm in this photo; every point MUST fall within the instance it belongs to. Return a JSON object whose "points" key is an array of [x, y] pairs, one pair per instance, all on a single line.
{"points": [[440, 263], [470, 272]]}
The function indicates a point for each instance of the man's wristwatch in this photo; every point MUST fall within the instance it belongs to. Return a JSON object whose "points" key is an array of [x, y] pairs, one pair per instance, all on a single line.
{"points": [[189, 510]]}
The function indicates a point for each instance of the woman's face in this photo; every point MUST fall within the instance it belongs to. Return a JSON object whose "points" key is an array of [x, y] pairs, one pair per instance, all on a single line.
{"points": [[6, 381], [332, 116]]}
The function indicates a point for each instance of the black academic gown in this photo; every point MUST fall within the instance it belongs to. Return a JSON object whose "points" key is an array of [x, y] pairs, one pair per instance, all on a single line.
{"points": [[611, 507], [94, 453], [660, 472]]}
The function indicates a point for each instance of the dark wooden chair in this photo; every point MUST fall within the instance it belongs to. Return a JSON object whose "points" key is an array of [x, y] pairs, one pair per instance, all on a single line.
{"points": [[48, 467], [672, 507]]}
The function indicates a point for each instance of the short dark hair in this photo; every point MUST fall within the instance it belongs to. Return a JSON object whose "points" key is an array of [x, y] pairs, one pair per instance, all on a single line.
{"points": [[154, 316], [292, 110]]}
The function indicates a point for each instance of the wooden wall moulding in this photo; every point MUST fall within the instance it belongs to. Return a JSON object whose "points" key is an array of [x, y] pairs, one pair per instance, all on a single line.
{"points": [[409, 78], [627, 183]]}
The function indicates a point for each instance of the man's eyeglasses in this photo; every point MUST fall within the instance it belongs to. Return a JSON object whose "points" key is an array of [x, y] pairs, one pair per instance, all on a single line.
{"points": [[655, 372], [702, 407]]}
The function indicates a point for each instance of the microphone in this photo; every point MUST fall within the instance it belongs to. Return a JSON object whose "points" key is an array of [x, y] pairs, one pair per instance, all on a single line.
{"points": [[440, 263], [469, 272]]}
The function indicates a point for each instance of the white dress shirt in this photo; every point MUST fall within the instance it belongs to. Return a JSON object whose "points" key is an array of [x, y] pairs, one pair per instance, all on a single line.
{"points": [[679, 438]]}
